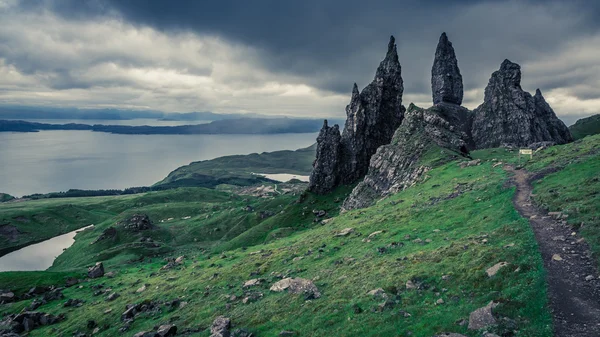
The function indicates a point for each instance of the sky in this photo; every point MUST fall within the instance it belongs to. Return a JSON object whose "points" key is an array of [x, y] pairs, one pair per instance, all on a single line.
{"points": [[297, 58]]}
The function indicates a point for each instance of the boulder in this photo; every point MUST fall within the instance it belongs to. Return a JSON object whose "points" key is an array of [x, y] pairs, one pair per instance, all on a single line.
{"points": [[167, 330], [493, 270], [96, 271], [221, 327], [297, 286], [482, 317]]}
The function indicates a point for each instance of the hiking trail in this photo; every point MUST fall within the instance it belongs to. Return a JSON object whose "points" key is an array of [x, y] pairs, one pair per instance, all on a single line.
{"points": [[571, 273]]}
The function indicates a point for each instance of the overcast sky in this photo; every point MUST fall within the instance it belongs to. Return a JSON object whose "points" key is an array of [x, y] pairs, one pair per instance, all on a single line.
{"points": [[286, 57]]}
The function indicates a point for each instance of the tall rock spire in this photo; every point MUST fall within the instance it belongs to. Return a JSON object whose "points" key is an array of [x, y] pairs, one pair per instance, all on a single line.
{"points": [[372, 117], [446, 80]]}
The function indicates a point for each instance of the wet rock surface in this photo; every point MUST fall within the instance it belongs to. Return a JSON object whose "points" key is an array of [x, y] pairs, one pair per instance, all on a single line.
{"points": [[509, 115]]}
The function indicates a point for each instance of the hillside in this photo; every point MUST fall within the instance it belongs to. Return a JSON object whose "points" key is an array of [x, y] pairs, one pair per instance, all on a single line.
{"points": [[230, 169], [585, 127], [427, 247]]}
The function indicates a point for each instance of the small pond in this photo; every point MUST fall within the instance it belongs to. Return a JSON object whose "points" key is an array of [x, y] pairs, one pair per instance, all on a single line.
{"points": [[38, 256]]}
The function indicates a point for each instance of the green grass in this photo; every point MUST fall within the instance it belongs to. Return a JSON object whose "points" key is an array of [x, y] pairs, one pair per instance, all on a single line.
{"points": [[344, 268], [575, 189], [585, 127]]}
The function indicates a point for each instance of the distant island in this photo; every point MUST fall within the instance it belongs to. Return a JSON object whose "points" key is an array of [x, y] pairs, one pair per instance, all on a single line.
{"points": [[229, 126]]}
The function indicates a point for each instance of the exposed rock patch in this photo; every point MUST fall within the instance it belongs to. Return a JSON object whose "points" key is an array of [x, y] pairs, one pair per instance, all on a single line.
{"points": [[137, 222]]}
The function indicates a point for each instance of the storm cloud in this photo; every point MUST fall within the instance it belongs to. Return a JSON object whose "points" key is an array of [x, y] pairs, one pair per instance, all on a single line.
{"points": [[285, 57]]}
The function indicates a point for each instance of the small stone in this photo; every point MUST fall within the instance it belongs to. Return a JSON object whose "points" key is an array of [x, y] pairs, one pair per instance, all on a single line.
{"points": [[439, 301], [495, 268], [556, 257], [179, 260], [345, 232], [252, 283], [589, 277], [379, 292], [141, 289], [112, 296], [410, 285]]}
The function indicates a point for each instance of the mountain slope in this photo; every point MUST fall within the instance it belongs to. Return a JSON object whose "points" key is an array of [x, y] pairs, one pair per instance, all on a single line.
{"points": [[585, 127], [442, 235]]}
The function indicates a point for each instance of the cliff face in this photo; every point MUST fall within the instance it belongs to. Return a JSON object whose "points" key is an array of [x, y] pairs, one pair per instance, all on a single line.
{"points": [[402, 163], [510, 115], [372, 117]]}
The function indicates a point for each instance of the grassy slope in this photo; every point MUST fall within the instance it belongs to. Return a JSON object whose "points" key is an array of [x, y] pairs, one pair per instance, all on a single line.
{"points": [[575, 189], [345, 269], [242, 167], [585, 127]]}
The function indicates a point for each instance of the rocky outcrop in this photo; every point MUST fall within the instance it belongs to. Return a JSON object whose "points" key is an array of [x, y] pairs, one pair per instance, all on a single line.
{"points": [[137, 222], [511, 116], [96, 271], [426, 138], [446, 80], [325, 176], [372, 117]]}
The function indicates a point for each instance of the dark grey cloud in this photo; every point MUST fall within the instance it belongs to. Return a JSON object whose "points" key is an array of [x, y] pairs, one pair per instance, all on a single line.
{"points": [[329, 45]]}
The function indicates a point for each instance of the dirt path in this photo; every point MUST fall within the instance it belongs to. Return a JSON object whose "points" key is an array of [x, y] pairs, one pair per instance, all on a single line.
{"points": [[574, 300]]}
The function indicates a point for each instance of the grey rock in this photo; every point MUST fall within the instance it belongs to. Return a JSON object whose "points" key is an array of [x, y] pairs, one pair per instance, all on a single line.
{"points": [[482, 317], [509, 115], [325, 174], [137, 222], [221, 327], [450, 334], [398, 165], [371, 119], [446, 80], [96, 271], [167, 330], [297, 286]]}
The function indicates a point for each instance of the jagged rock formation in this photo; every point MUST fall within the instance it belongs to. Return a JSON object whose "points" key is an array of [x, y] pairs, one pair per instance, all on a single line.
{"points": [[324, 176], [372, 117], [446, 80], [426, 138], [509, 115]]}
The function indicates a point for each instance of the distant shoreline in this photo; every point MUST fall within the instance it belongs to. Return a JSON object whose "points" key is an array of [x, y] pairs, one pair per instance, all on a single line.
{"points": [[229, 126]]}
